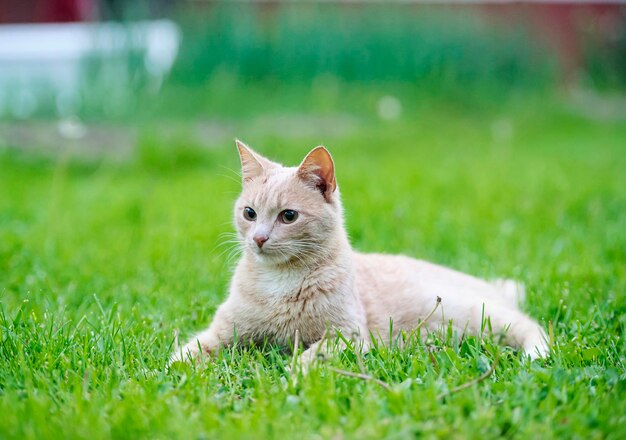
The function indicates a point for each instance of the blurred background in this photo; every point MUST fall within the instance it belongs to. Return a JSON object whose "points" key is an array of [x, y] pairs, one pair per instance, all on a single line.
{"points": [[87, 75], [488, 136]]}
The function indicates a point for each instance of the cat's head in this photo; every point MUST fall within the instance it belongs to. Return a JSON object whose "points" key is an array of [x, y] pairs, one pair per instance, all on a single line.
{"points": [[288, 214]]}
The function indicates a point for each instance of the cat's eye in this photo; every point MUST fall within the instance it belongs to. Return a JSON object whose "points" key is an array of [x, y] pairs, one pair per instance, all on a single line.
{"points": [[288, 216], [249, 214]]}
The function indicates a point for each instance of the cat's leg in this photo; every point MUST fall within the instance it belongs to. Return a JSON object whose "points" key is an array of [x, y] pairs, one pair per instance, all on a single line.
{"points": [[513, 292], [318, 350], [219, 333], [327, 347], [520, 331], [535, 342]]}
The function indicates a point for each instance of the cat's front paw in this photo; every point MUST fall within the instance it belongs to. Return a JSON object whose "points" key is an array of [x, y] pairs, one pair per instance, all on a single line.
{"points": [[188, 353], [536, 347], [309, 358]]}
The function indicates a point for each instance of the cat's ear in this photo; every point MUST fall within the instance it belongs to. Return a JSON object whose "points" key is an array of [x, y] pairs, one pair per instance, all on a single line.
{"points": [[318, 169], [252, 164]]}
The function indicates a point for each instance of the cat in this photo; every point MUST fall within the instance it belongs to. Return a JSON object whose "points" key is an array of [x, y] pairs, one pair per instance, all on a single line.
{"points": [[298, 272]]}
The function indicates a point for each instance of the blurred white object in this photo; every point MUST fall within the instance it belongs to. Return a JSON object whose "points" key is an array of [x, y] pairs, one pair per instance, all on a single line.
{"points": [[389, 108], [48, 58], [72, 128]]}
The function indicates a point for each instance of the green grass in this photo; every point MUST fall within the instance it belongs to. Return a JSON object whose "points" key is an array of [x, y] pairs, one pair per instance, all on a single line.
{"points": [[101, 262]]}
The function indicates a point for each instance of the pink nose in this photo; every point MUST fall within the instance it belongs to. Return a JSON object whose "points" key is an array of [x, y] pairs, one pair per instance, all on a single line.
{"points": [[260, 239]]}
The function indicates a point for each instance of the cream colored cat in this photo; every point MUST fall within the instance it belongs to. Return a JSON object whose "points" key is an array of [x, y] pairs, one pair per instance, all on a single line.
{"points": [[299, 272]]}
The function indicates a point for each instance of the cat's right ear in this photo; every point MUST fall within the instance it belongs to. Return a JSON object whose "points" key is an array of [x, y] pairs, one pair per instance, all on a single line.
{"points": [[253, 165], [318, 169]]}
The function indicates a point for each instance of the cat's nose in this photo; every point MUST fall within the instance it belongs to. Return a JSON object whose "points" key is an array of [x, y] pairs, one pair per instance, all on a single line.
{"points": [[260, 239]]}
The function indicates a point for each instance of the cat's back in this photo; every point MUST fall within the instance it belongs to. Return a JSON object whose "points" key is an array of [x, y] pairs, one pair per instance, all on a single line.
{"points": [[404, 288], [388, 286], [378, 275]]}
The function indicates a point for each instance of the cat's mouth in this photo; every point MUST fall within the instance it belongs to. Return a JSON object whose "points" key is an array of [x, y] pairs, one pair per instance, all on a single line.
{"points": [[265, 250], [268, 253]]}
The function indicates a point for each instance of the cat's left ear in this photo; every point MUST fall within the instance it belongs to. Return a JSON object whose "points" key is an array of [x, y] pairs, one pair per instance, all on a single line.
{"points": [[252, 164], [318, 169]]}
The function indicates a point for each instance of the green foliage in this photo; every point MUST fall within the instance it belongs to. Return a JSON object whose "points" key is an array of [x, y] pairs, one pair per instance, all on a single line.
{"points": [[605, 61], [101, 262], [431, 48]]}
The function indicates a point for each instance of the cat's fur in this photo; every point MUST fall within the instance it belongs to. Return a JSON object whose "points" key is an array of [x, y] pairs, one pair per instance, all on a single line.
{"points": [[306, 277]]}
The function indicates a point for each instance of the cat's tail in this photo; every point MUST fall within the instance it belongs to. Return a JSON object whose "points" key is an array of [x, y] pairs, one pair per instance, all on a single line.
{"points": [[513, 292]]}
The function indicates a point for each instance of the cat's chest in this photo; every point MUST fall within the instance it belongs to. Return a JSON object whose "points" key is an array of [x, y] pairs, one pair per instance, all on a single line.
{"points": [[285, 302], [277, 285]]}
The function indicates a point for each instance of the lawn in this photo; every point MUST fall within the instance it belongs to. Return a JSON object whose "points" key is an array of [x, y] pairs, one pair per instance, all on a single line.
{"points": [[103, 261]]}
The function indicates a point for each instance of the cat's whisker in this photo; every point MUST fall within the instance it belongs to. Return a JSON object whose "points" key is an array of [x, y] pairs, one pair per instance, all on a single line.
{"points": [[235, 248], [228, 242], [230, 178], [226, 224], [228, 235], [233, 254], [306, 250], [234, 172], [234, 176], [227, 246]]}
